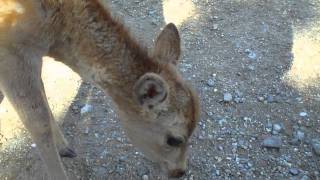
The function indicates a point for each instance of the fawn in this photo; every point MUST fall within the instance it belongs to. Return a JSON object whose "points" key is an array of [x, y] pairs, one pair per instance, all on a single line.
{"points": [[158, 110]]}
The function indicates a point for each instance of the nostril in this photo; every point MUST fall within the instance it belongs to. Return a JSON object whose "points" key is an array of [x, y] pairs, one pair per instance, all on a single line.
{"points": [[177, 173], [181, 173]]}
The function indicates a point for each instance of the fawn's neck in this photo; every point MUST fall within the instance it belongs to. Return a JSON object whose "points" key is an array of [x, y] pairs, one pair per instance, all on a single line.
{"points": [[104, 52]]}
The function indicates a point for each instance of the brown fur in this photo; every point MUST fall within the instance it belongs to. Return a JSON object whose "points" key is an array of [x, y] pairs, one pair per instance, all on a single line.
{"points": [[153, 100]]}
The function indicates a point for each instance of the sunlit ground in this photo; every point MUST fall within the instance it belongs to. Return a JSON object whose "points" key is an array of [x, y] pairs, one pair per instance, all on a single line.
{"points": [[178, 11], [61, 85], [305, 69]]}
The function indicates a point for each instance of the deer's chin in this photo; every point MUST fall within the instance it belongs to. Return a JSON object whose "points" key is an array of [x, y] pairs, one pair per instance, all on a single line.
{"points": [[164, 168]]}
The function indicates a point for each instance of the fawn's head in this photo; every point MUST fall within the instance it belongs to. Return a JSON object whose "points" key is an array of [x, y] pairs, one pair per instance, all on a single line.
{"points": [[169, 109]]}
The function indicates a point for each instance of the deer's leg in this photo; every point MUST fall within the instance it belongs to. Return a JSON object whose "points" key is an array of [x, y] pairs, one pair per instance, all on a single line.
{"points": [[62, 144], [20, 81]]}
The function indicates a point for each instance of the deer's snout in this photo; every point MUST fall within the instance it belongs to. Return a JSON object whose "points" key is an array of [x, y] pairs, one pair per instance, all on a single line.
{"points": [[177, 173]]}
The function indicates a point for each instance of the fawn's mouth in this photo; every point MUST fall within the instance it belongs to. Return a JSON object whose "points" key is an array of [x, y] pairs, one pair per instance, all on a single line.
{"points": [[174, 173], [177, 173]]}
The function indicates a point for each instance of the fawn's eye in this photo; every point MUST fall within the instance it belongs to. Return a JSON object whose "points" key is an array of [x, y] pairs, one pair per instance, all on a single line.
{"points": [[175, 141]]}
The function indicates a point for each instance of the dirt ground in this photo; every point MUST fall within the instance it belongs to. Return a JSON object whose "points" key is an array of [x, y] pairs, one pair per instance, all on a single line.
{"points": [[256, 67]]}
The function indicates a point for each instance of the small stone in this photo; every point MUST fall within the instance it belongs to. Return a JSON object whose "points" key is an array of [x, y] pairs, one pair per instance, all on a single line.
{"points": [[96, 135], [299, 135], [151, 12], [215, 26], [272, 142], [270, 99], [33, 145], [145, 177], [251, 68], [227, 97], [260, 98], [222, 121], [276, 128], [252, 55], [294, 171], [316, 146], [269, 127], [86, 109], [303, 114], [86, 131], [218, 173], [191, 177], [210, 83]]}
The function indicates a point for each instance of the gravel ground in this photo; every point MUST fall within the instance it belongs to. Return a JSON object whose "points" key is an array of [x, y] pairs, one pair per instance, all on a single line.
{"points": [[256, 66]]}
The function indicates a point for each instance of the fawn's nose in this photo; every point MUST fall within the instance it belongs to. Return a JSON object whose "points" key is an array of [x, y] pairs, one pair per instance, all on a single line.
{"points": [[177, 173]]}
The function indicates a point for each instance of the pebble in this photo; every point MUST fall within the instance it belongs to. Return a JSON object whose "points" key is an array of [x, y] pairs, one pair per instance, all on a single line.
{"points": [[145, 177], [252, 55], [294, 171], [218, 173], [191, 177], [260, 98], [269, 127], [316, 146], [86, 109], [303, 114], [86, 131], [33, 145], [277, 127], [215, 26], [299, 135], [250, 67], [210, 83], [272, 142], [222, 121], [270, 99], [227, 97]]}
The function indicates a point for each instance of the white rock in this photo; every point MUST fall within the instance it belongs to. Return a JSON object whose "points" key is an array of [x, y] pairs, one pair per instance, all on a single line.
{"points": [[86, 109], [145, 177], [303, 114], [227, 97]]}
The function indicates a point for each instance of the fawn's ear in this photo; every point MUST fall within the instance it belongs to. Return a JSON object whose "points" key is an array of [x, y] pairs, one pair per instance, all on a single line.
{"points": [[150, 90], [167, 47]]}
